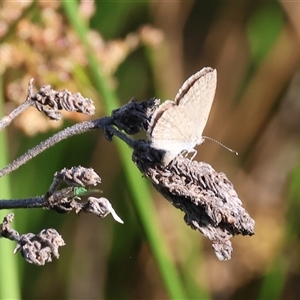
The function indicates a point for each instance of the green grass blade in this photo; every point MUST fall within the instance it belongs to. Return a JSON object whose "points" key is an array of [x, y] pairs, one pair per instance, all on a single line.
{"points": [[9, 280], [136, 183]]}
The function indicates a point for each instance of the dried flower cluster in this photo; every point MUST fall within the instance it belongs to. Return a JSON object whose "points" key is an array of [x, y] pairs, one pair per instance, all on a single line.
{"points": [[78, 176], [47, 48], [36, 249], [68, 199], [134, 116], [207, 197], [50, 102], [40, 248], [101, 207]]}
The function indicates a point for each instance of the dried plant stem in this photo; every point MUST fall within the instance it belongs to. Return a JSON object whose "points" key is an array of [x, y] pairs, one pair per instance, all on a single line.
{"points": [[68, 199], [37, 202], [62, 135], [125, 138], [103, 123], [5, 121]]}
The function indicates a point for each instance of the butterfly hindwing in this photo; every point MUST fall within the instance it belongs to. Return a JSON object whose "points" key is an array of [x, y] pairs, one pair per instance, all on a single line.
{"points": [[173, 131]]}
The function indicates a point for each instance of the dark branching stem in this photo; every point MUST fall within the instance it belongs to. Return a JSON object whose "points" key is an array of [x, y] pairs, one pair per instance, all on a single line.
{"points": [[125, 138], [50, 103], [5, 121], [130, 118], [64, 200], [207, 197], [33, 202], [62, 135], [76, 129], [36, 202]]}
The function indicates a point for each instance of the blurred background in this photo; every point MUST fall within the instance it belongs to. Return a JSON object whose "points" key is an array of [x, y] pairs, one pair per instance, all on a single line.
{"points": [[111, 52]]}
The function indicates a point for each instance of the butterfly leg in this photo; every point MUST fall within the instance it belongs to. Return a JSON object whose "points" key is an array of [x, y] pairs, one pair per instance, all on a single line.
{"points": [[194, 153]]}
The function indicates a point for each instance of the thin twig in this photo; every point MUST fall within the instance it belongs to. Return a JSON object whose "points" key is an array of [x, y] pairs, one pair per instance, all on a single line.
{"points": [[5, 121], [62, 135], [125, 138], [68, 199], [76, 129], [36, 202]]}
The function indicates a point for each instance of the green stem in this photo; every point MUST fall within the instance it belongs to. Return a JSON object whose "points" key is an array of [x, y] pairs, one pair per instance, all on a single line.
{"points": [[9, 280], [137, 184]]}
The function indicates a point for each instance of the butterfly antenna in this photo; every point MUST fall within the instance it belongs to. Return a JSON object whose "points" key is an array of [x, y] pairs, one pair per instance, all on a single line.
{"points": [[229, 149]]}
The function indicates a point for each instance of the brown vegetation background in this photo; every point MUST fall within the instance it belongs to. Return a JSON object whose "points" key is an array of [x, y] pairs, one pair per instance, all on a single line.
{"points": [[148, 49]]}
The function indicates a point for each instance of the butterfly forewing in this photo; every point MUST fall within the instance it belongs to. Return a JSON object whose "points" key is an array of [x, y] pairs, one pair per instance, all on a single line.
{"points": [[197, 95]]}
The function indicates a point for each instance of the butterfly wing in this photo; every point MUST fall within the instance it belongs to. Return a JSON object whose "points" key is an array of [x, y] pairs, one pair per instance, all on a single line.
{"points": [[178, 125], [197, 95], [172, 130]]}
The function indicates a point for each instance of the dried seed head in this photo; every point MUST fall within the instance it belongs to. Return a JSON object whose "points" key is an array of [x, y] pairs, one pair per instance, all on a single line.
{"points": [[50, 102], [78, 176], [207, 198], [5, 229], [101, 207], [39, 249], [134, 116]]}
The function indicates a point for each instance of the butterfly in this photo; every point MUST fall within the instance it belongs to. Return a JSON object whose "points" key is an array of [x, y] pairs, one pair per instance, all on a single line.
{"points": [[177, 126]]}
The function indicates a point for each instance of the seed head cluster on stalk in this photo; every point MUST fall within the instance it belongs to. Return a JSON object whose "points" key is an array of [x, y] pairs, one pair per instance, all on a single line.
{"points": [[207, 198]]}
